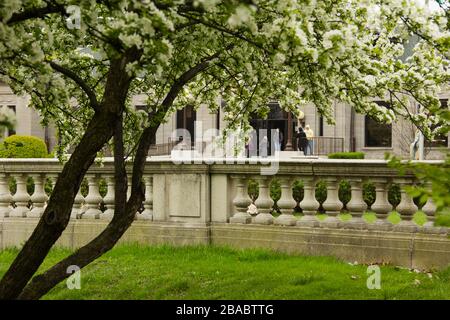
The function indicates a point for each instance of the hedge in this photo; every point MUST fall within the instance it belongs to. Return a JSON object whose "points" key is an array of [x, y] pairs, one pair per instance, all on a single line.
{"points": [[346, 155], [443, 219], [17, 146], [23, 147]]}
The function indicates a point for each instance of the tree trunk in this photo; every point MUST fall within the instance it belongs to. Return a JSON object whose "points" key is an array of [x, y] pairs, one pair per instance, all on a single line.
{"points": [[14, 282], [121, 221], [57, 213]]}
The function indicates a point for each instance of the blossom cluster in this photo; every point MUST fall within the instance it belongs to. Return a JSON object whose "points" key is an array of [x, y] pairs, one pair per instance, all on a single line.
{"points": [[293, 51]]}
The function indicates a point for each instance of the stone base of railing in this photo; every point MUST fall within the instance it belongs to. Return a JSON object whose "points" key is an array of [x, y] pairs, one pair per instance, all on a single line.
{"points": [[426, 248]]}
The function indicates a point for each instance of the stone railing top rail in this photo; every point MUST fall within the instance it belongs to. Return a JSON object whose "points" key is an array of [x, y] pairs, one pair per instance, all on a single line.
{"points": [[236, 160], [252, 166]]}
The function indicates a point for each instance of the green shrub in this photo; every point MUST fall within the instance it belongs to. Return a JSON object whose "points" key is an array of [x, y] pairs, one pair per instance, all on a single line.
{"points": [[103, 188], [253, 189], [275, 190], [346, 155], [321, 193], [345, 192], [30, 186], [23, 147], [369, 194], [442, 219], [298, 191], [298, 194], [394, 195], [275, 194]]}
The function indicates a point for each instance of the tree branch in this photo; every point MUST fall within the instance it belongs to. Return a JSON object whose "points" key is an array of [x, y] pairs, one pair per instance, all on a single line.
{"points": [[83, 85], [122, 219], [57, 213], [34, 13], [223, 30]]}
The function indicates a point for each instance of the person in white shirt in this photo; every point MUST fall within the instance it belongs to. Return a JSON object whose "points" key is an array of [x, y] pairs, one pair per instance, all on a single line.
{"points": [[309, 137]]}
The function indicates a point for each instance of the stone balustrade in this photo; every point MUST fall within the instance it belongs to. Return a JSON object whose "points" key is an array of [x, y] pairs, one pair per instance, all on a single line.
{"points": [[309, 173], [40, 176], [218, 193]]}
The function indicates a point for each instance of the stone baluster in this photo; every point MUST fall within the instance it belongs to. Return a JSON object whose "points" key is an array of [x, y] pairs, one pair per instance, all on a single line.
{"points": [[429, 208], [356, 205], [381, 206], [241, 201], [332, 204], [286, 204], [21, 198], [77, 208], [39, 197], [147, 214], [406, 208], [5, 196], [129, 181], [93, 198], [264, 203], [53, 177], [108, 200], [309, 204]]}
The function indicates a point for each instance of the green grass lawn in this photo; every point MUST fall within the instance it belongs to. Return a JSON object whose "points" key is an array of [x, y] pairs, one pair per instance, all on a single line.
{"points": [[165, 272]]}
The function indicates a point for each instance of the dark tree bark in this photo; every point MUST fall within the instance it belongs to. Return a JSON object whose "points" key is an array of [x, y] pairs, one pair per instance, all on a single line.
{"points": [[57, 213], [124, 212]]}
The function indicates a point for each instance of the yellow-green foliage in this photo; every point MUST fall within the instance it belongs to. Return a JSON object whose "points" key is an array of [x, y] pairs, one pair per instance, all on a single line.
{"points": [[346, 155], [23, 147]]}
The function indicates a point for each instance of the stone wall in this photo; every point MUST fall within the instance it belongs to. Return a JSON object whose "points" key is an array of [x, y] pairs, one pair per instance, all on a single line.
{"points": [[411, 250], [206, 202]]}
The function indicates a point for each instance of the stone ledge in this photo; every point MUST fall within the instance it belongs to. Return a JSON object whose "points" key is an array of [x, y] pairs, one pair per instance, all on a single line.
{"points": [[412, 250]]}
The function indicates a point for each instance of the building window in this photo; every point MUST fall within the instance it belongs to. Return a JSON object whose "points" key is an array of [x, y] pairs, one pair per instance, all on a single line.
{"points": [[377, 134], [439, 140], [321, 126], [218, 119], [10, 132], [186, 118]]}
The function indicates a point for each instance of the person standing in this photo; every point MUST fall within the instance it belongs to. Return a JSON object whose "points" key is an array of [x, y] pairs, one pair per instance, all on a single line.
{"points": [[310, 141], [276, 140], [301, 140]]}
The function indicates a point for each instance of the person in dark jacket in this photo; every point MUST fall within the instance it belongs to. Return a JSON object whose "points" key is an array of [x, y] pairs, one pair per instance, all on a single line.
{"points": [[301, 140]]}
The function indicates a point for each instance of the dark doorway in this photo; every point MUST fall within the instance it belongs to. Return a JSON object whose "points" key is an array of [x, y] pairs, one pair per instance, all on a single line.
{"points": [[186, 120], [277, 119]]}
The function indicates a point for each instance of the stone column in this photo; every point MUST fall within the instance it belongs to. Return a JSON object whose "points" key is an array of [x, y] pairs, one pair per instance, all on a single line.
{"points": [[21, 198], [407, 208], [5, 196], [286, 204], [332, 204], [264, 203], [356, 205], [39, 197], [241, 201], [129, 178], [309, 204], [53, 177], [147, 214], [93, 198], [429, 208], [288, 146], [108, 200], [77, 208], [381, 206]]}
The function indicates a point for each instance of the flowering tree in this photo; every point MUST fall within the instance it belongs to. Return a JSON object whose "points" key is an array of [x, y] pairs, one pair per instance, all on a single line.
{"points": [[81, 61]]}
